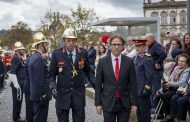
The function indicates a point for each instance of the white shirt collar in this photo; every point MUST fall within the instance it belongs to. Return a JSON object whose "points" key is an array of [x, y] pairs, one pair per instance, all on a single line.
{"points": [[113, 57], [73, 52]]}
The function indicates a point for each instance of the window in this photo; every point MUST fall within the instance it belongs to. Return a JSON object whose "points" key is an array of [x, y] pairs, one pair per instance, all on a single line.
{"points": [[164, 30], [154, 14], [183, 30], [173, 29], [163, 15], [182, 17], [173, 17]]}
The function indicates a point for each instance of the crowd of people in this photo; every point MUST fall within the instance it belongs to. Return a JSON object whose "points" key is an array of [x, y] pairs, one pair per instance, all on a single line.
{"points": [[127, 77]]}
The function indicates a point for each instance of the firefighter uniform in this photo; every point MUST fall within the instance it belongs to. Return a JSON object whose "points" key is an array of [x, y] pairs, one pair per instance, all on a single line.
{"points": [[70, 71]]}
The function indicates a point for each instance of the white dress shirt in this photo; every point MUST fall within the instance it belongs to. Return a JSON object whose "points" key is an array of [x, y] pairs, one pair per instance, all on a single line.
{"points": [[114, 61]]}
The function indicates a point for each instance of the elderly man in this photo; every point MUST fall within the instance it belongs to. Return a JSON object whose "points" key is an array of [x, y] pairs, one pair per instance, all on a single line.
{"points": [[70, 65], [158, 54]]}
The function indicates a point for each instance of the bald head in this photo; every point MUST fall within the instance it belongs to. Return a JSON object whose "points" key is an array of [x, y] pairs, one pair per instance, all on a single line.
{"points": [[150, 38]]}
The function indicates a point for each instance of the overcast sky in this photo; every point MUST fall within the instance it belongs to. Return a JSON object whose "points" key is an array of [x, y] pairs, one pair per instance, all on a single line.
{"points": [[30, 11]]}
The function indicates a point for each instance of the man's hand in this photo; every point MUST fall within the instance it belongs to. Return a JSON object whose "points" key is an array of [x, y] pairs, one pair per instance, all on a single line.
{"points": [[133, 109], [167, 85], [157, 66], [54, 93], [99, 110]]}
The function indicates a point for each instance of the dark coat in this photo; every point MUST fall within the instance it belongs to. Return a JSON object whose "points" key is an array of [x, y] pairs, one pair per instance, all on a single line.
{"points": [[2, 68], [26, 87], [92, 55], [106, 85], [38, 72], [157, 52], [71, 90], [144, 67], [18, 68]]}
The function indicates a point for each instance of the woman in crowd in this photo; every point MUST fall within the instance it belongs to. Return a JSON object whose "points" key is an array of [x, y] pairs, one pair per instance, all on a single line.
{"points": [[100, 54], [186, 42], [175, 45], [177, 79], [179, 103]]}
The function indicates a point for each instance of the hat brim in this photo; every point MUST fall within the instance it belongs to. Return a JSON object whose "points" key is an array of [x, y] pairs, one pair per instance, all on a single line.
{"points": [[70, 37], [140, 44], [36, 43], [20, 48]]}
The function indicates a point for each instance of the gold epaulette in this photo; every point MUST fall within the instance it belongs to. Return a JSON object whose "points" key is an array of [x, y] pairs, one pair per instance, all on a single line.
{"points": [[147, 54]]}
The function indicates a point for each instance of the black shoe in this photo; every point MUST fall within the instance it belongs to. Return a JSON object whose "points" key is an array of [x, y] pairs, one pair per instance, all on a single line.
{"points": [[20, 120], [152, 110], [160, 116], [167, 120]]}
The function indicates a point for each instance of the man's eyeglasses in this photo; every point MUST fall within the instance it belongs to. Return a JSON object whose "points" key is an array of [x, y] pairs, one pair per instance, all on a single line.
{"points": [[116, 45]]}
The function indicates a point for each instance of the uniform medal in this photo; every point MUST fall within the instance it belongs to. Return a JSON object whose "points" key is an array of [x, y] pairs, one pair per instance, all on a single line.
{"points": [[74, 72]]}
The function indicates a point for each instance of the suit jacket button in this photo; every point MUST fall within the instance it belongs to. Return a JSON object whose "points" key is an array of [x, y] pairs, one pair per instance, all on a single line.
{"points": [[71, 89], [71, 83]]}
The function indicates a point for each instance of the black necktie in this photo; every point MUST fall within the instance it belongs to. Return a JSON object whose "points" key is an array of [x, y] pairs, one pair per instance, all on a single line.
{"points": [[71, 58]]}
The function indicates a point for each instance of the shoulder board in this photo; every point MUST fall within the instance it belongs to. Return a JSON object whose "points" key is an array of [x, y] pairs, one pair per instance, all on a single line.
{"points": [[147, 54], [57, 49]]}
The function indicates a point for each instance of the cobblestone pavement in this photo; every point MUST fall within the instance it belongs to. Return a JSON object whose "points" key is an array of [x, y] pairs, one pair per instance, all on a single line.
{"points": [[6, 109]]}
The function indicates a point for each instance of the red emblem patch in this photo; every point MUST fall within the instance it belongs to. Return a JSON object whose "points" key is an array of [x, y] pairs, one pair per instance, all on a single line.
{"points": [[61, 63]]}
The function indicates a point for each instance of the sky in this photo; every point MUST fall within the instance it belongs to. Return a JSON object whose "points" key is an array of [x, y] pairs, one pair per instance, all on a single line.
{"points": [[31, 11]]}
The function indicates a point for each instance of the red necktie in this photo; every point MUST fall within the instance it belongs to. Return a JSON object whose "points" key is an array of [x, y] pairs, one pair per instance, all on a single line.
{"points": [[117, 94], [116, 69]]}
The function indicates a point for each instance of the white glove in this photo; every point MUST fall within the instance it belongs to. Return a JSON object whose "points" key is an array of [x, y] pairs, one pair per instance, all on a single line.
{"points": [[13, 79]]}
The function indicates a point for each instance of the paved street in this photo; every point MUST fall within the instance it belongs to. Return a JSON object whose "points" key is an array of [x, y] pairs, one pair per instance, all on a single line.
{"points": [[6, 109]]}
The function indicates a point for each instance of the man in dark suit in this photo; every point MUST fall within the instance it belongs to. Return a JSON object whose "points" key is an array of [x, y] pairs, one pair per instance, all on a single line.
{"points": [[39, 85], [70, 65], [115, 91]]}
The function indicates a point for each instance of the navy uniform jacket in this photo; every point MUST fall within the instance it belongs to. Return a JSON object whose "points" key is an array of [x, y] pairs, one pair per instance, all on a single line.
{"points": [[2, 68], [38, 72], [71, 90], [92, 55], [26, 88], [144, 67], [157, 52], [18, 68]]}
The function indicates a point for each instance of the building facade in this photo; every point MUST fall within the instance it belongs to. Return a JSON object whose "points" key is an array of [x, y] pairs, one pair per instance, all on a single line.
{"points": [[173, 14]]}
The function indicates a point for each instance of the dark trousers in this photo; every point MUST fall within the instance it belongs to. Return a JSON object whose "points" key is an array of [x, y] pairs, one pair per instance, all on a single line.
{"points": [[40, 111], [29, 108], [118, 113], [143, 111], [77, 115], [179, 106], [156, 85], [1, 82], [166, 97], [17, 104]]}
